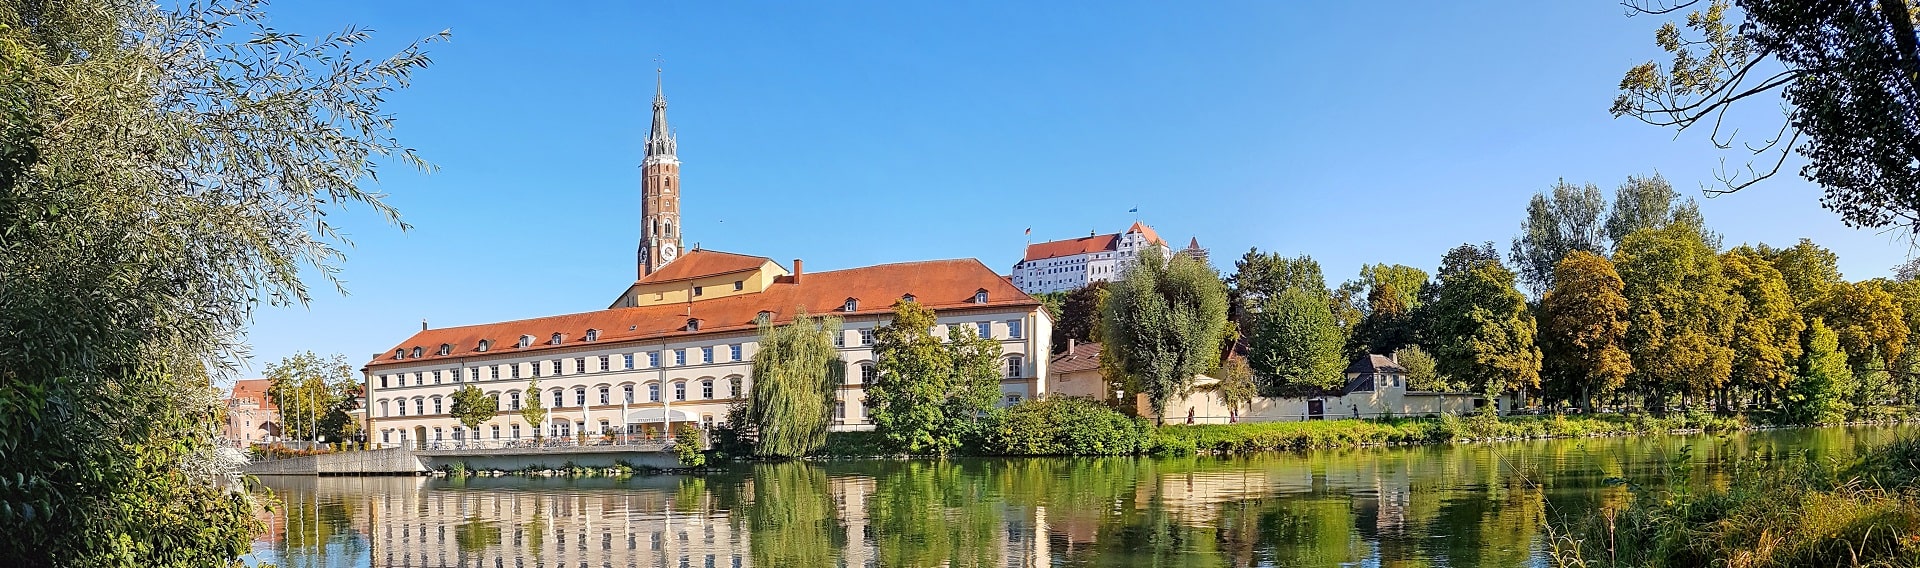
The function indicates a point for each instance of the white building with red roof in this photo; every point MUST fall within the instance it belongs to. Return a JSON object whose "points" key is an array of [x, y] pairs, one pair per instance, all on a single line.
{"points": [[1058, 266], [677, 345]]}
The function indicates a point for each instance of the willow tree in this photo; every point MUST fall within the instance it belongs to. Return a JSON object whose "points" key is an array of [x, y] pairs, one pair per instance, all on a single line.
{"points": [[1583, 329], [165, 172], [1163, 324], [795, 375]]}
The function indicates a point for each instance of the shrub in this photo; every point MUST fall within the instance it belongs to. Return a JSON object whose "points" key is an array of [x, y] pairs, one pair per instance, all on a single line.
{"points": [[688, 442], [1063, 426]]}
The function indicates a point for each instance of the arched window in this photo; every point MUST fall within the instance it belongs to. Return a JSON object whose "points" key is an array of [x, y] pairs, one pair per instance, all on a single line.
{"points": [[693, 324], [416, 352], [526, 341], [446, 348], [559, 398], [1015, 366], [706, 388], [399, 353], [867, 374], [980, 296], [653, 392], [908, 299], [679, 390], [484, 345], [420, 406], [513, 400], [436, 405], [763, 317], [580, 396], [853, 304], [402, 403], [606, 395], [627, 392], [557, 338], [593, 335], [383, 409]]}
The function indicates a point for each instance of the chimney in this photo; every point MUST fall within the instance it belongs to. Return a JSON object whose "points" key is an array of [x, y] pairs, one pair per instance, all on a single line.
{"points": [[1073, 346], [796, 271], [423, 324]]}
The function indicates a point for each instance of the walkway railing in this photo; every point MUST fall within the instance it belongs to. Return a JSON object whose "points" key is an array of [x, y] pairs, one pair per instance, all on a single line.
{"points": [[617, 441]]}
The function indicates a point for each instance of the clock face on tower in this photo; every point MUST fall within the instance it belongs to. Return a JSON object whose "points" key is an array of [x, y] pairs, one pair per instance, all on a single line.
{"points": [[667, 252]]}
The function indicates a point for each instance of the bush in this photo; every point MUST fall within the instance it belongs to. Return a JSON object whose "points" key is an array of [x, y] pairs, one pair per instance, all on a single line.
{"points": [[1066, 426], [855, 445], [688, 443]]}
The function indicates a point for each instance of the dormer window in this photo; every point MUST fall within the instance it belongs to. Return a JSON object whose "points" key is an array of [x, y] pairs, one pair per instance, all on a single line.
{"points": [[526, 341], [593, 335], [763, 317], [907, 298], [557, 338], [693, 324], [980, 296], [484, 345], [852, 304], [416, 352], [446, 349], [399, 353]]}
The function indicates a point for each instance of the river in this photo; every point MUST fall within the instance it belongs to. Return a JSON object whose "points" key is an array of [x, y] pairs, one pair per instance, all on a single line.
{"points": [[1464, 505]]}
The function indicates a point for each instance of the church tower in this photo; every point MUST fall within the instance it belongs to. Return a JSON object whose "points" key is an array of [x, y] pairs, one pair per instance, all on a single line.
{"points": [[660, 238]]}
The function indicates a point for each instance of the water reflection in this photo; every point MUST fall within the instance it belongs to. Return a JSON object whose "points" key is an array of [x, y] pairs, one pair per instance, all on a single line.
{"points": [[1476, 505]]}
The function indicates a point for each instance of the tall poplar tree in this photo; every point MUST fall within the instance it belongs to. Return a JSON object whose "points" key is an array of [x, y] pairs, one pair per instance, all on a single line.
{"points": [[1163, 324], [1566, 219], [1583, 328]]}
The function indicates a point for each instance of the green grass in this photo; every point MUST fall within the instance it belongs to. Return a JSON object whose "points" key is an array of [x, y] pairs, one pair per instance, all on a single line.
{"points": [[1328, 434]]}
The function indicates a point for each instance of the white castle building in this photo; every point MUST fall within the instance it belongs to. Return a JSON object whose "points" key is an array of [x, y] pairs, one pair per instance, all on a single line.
{"points": [[1058, 266]]}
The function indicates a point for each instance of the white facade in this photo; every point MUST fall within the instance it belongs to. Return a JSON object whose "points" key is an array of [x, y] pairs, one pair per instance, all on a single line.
{"points": [[1059, 266]]}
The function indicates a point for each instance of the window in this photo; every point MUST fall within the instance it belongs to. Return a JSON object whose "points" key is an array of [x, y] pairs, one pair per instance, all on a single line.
{"points": [[416, 352], [867, 374], [493, 372], [986, 329], [526, 341], [763, 317], [908, 299], [739, 285], [485, 345], [459, 433], [516, 370], [680, 390], [693, 324], [446, 348], [604, 396], [536, 368], [436, 405], [627, 359], [679, 357], [386, 436], [417, 381], [604, 428], [1013, 329], [513, 400], [400, 353], [851, 305], [605, 362], [1013, 399], [580, 396], [556, 367], [494, 401], [706, 388], [436, 377], [627, 391], [580, 365], [496, 431], [734, 352], [980, 297], [514, 430], [1014, 366], [559, 398], [653, 359], [697, 290], [840, 339], [383, 381], [460, 374], [420, 406], [557, 338], [437, 434], [653, 392], [706, 354], [866, 336], [593, 335], [402, 403], [840, 409], [383, 409]]}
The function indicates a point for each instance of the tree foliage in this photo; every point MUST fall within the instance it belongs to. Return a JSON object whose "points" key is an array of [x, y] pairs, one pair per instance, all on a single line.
{"points": [[1870, 323], [1766, 326], [165, 171], [310, 391], [1651, 203], [1570, 218], [472, 407], [1583, 329], [1847, 75], [1423, 372], [531, 409], [1296, 346], [1822, 382], [1079, 316], [1809, 270], [1681, 319], [795, 375], [1164, 324], [930, 396], [1482, 331]]}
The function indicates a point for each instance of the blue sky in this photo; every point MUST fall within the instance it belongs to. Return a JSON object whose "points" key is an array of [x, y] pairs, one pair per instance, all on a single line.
{"points": [[854, 134]]}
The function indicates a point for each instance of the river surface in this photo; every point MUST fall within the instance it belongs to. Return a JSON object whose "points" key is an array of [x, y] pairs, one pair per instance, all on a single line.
{"points": [[1463, 505]]}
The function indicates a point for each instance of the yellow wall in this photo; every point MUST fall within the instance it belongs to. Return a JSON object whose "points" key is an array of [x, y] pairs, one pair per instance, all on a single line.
{"points": [[718, 286]]}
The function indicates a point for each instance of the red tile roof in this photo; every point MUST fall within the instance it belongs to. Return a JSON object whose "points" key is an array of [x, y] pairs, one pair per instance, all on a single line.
{"points": [[704, 263], [1084, 357], [1144, 230], [1070, 247], [254, 390], [937, 284]]}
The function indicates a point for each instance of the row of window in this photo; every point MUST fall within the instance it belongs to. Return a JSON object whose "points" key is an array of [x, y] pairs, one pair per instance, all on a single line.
{"points": [[581, 365], [707, 392], [556, 429]]}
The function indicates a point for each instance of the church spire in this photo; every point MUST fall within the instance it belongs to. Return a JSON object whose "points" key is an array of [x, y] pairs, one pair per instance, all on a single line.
{"points": [[660, 141], [660, 235]]}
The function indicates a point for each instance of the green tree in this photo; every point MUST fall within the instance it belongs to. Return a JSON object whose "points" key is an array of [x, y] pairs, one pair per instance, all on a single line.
{"points": [[1422, 371], [167, 168], [1163, 324], [1404, 280], [1388, 325], [1766, 327], [1296, 347], [1681, 313], [795, 376], [532, 411], [1870, 323], [1845, 76], [1483, 333], [472, 407], [308, 389], [1259, 277], [1237, 386], [1583, 328], [1651, 203], [1809, 270], [931, 396], [1822, 383], [1568, 219], [1079, 316]]}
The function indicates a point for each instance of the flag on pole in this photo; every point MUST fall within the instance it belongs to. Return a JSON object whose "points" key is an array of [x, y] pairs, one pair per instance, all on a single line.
{"points": [[1134, 210], [1029, 230]]}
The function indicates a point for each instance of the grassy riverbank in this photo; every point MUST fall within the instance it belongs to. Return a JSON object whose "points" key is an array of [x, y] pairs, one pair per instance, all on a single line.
{"points": [[1794, 511]]}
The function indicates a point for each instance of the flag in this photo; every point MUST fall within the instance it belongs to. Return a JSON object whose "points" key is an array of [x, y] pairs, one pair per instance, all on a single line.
{"points": [[1134, 210], [1029, 230]]}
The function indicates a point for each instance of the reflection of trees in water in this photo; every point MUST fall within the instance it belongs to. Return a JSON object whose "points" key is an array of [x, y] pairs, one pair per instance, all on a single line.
{"points": [[313, 529], [791, 520], [932, 513], [475, 534]]}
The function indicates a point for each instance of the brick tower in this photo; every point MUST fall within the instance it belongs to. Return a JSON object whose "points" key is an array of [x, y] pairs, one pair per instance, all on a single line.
{"points": [[660, 236]]}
